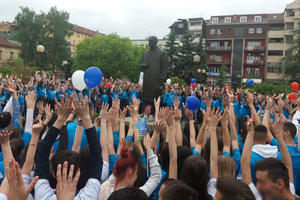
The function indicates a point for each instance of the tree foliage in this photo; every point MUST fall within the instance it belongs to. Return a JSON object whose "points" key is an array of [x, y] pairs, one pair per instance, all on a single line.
{"points": [[49, 29], [171, 49], [221, 78], [114, 55]]}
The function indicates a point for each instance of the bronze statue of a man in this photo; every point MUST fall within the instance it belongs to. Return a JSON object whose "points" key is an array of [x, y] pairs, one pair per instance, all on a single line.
{"points": [[155, 70]]}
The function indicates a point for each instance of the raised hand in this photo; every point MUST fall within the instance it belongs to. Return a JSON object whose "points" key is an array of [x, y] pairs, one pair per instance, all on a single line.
{"points": [[214, 117], [157, 103], [147, 142], [66, 184], [17, 190], [269, 103], [37, 128], [250, 123], [177, 115], [169, 116], [225, 101], [123, 113], [116, 104], [176, 102], [136, 104], [134, 114], [81, 108], [30, 100], [249, 98], [49, 113], [225, 119], [277, 126], [64, 108], [40, 107], [188, 113], [4, 136], [104, 112], [161, 114], [159, 126]]}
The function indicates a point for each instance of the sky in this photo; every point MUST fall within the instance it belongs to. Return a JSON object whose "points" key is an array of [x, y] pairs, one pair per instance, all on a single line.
{"points": [[138, 19]]}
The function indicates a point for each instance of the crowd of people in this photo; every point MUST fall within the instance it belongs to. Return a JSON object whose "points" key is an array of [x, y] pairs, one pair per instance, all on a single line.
{"points": [[60, 143]]}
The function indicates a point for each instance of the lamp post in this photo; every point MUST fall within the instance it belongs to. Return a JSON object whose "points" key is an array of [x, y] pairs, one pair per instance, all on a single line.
{"points": [[40, 49], [196, 60]]}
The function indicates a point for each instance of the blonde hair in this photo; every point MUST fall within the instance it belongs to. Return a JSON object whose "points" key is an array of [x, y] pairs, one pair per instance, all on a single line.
{"points": [[226, 166]]}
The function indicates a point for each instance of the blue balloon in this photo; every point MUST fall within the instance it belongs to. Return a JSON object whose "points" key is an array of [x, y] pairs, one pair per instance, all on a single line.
{"points": [[92, 77], [193, 80], [192, 102], [250, 82]]}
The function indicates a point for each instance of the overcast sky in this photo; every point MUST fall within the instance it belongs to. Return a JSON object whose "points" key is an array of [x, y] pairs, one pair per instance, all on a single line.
{"points": [[138, 19]]}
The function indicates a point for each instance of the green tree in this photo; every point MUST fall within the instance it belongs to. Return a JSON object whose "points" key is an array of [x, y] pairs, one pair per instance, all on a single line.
{"points": [[291, 62], [49, 29], [171, 49], [221, 78], [186, 65], [114, 55], [200, 50]]}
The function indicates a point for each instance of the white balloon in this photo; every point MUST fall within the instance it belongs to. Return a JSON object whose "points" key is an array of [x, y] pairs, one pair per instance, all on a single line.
{"points": [[78, 80], [168, 81]]}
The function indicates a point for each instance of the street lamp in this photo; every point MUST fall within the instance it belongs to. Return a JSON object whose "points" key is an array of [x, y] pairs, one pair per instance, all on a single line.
{"points": [[64, 63], [196, 58], [40, 49]]}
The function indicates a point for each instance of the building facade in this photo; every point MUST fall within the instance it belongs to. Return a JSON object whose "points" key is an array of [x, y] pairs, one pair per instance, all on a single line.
{"points": [[144, 43], [79, 33], [9, 52]]}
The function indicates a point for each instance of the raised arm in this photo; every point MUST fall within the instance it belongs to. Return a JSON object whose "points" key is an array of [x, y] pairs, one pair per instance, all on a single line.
{"points": [[252, 108], [213, 120], [6, 149], [246, 155], [173, 168], [226, 136], [29, 161], [277, 129], [234, 139], [158, 128], [157, 106], [78, 136], [122, 128], [190, 117], [266, 119], [30, 102], [103, 136]]}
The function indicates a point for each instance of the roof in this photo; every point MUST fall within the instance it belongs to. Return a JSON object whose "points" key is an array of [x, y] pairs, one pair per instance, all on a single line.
{"points": [[85, 31], [6, 43]]}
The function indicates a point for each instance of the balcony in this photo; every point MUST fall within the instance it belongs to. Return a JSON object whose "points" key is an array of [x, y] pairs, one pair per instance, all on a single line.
{"points": [[253, 48], [218, 48], [210, 61], [253, 76], [254, 62]]}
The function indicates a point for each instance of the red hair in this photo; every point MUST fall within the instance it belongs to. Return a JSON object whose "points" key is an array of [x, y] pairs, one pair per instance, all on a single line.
{"points": [[125, 162]]}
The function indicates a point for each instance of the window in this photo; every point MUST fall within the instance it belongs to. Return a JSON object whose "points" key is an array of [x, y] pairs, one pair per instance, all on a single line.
{"points": [[289, 39], [227, 20], [251, 30], [276, 27], [275, 53], [257, 19], [254, 44], [11, 55], [290, 13], [215, 20], [197, 35], [274, 68], [215, 58], [215, 44], [219, 32], [243, 19], [252, 72], [239, 32], [180, 25], [275, 40], [214, 69], [212, 31], [289, 26], [252, 59], [259, 30]]}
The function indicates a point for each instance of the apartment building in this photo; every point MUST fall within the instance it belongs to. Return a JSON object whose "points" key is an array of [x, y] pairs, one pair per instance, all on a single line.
{"points": [[238, 42], [144, 43]]}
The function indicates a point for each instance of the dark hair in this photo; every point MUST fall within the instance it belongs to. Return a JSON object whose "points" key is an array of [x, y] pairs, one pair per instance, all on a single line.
{"points": [[128, 193], [260, 133], [17, 145], [275, 168], [15, 132], [206, 149], [164, 157], [60, 157], [84, 157], [136, 154], [177, 190], [288, 126], [183, 152], [5, 119], [234, 189], [195, 174], [242, 127]]}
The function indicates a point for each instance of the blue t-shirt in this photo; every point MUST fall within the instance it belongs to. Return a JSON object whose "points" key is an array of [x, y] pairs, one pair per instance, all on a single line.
{"points": [[2, 172], [51, 95], [170, 99], [165, 98], [115, 95], [22, 99], [124, 95], [132, 94], [58, 95], [41, 91], [70, 92], [104, 98]]}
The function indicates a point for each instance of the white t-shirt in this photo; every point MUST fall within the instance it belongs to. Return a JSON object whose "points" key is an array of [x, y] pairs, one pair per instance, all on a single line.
{"points": [[212, 187], [3, 196]]}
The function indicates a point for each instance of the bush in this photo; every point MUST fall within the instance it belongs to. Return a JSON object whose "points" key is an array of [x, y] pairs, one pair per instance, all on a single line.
{"points": [[270, 88], [27, 72], [175, 80]]}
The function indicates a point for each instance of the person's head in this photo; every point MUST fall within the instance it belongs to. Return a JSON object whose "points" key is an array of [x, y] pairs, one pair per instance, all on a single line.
{"points": [[183, 152], [260, 134], [70, 87], [176, 190], [104, 91], [17, 148], [60, 157], [195, 174], [126, 168], [15, 132], [153, 42], [128, 193], [289, 130], [51, 87], [226, 166], [229, 188], [5, 119], [272, 178], [115, 89]]}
